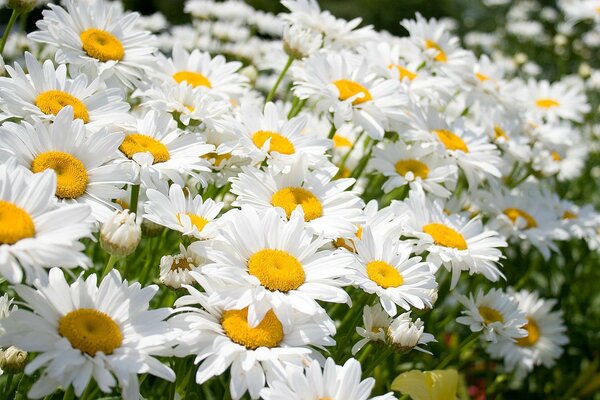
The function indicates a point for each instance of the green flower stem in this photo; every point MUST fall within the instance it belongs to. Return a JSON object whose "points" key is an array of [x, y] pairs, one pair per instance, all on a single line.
{"points": [[459, 349], [135, 194], [296, 108], [331, 133], [276, 85], [377, 361], [109, 265], [9, 26], [345, 158]]}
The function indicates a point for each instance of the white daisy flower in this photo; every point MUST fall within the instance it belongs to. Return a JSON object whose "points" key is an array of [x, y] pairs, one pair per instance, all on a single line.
{"points": [[450, 240], [198, 69], [35, 232], [268, 263], [555, 101], [414, 165], [223, 339], [84, 331], [84, 163], [443, 52], [97, 37], [495, 313], [270, 135], [331, 382], [180, 212], [384, 266], [41, 94], [329, 209], [376, 322], [175, 270], [175, 153], [406, 334], [525, 215], [6, 306], [343, 85], [544, 339], [474, 154]]}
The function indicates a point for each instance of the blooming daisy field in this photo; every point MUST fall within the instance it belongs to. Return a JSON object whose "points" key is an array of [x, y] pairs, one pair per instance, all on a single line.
{"points": [[294, 206]]}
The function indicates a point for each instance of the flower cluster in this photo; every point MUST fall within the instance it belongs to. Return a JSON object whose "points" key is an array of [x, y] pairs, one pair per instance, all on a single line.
{"points": [[212, 208]]}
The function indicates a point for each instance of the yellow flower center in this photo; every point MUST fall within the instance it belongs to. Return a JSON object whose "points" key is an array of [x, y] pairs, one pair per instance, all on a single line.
{"points": [[71, 175], [514, 213], [197, 220], [490, 315], [15, 223], [445, 236], [415, 166], [194, 79], [348, 89], [403, 72], [482, 77], [90, 331], [137, 143], [569, 215], [269, 333], [556, 156], [547, 103], [52, 101], [441, 56], [279, 143], [181, 263], [341, 141], [533, 334], [276, 270], [216, 159], [384, 274], [499, 133], [101, 45], [451, 141], [289, 198]]}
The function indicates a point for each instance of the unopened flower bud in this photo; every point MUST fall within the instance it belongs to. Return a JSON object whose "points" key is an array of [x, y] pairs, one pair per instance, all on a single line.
{"points": [[22, 6], [12, 360], [404, 334], [299, 43], [120, 234]]}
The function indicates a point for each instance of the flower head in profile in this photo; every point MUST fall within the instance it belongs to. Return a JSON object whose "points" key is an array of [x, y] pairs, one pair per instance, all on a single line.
{"points": [[428, 385]]}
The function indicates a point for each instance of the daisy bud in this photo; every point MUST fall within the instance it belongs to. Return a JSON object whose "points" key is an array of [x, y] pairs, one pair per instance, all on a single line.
{"points": [[22, 6], [175, 270], [121, 234], [405, 335], [12, 360], [299, 43], [151, 229]]}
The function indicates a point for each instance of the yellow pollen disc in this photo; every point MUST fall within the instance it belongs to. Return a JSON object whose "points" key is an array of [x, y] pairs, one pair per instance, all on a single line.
{"points": [[482, 77], [556, 156], [514, 213], [197, 220], [490, 315], [269, 333], [289, 198], [415, 166], [384, 274], [533, 334], [52, 101], [181, 263], [569, 215], [403, 72], [123, 203], [445, 236], [341, 141], [215, 158], [101, 45], [279, 143], [547, 103], [276, 270], [137, 143], [189, 108], [348, 89], [90, 331], [441, 56], [451, 141], [71, 175], [499, 133], [15, 223], [194, 79]]}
